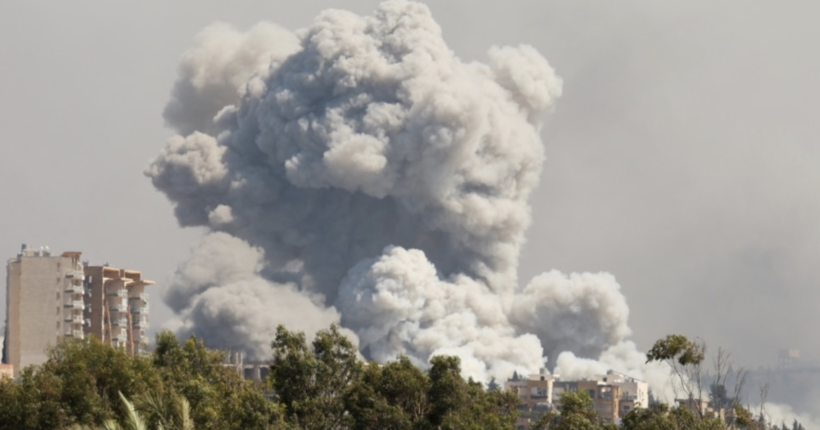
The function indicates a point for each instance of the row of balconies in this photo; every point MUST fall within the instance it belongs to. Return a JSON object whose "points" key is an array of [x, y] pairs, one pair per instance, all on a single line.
{"points": [[124, 293], [113, 306], [143, 320]]}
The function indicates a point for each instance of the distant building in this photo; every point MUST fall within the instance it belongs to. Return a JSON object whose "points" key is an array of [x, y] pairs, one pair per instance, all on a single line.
{"points": [[699, 407], [51, 297], [613, 395], [788, 357], [249, 370], [533, 389], [534, 394]]}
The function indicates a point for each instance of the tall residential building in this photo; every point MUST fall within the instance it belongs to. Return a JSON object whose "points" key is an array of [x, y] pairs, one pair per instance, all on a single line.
{"points": [[116, 307], [52, 297], [44, 301]]}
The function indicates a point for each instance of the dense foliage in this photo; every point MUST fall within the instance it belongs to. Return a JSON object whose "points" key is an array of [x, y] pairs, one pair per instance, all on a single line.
{"points": [[322, 385], [82, 380]]}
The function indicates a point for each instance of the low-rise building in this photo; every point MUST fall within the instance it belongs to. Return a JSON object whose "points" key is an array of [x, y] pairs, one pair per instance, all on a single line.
{"points": [[613, 395], [534, 393]]}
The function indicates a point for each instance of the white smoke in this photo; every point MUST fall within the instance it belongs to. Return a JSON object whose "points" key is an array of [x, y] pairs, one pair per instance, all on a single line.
{"points": [[358, 171], [778, 414]]}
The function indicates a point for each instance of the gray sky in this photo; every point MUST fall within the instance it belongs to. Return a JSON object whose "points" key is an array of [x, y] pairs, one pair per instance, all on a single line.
{"points": [[680, 158]]}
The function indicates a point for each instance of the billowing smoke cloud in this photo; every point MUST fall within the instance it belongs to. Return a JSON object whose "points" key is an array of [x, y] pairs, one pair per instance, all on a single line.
{"points": [[220, 295], [358, 171]]}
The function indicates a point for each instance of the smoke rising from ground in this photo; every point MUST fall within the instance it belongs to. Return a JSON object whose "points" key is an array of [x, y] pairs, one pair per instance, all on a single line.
{"points": [[357, 171]]}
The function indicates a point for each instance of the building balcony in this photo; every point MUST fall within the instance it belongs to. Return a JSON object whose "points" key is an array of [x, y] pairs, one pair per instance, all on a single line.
{"points": [[76, 304], [119, 336], [77, 274], [117, 308], [116, 293], [122, 322], [74, 319], [74, 333], [141, 323], [139, 309], [141, 296], [74, 289]]}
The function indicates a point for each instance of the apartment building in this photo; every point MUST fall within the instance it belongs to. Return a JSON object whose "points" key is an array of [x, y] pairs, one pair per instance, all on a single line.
{"points": [[44, 302], [533, 389], [49, 297], [613, 395], [116, 307], [534, 395]]}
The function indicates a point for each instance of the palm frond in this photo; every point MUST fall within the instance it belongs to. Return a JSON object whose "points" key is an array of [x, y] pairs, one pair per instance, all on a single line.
{"points": [[133, 420], [185, 420]]}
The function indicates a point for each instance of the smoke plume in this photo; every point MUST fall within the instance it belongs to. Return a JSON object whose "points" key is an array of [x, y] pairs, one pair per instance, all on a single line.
{"points": [[357, 171]]}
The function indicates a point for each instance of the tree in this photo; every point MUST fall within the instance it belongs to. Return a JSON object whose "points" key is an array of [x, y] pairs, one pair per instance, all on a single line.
{"points": [[172, 413], [724, 372], [78, 384], [393, 396], [311, 382], [219, 397], [577, 412], [684, 357], [447, 390], [661, 416]]}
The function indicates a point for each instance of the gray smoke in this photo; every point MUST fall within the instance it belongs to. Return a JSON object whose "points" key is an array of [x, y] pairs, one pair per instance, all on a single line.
{"points": [[220, 295], [358, 171]]}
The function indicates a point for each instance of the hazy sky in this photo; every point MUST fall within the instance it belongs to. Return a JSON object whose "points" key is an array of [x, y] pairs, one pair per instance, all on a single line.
{"points": [[681, 157]]}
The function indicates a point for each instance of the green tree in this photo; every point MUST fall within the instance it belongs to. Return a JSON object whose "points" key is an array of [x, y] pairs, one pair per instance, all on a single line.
{"points": [[393, 396], [685, 358], [447, 390], [577, 412], [661, 416], [311, 382], [459, 404], [78, 384], [219, 397]]}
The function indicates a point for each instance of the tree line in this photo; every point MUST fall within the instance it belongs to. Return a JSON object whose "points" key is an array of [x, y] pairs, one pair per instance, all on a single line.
{"points": [[321, 385]]}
